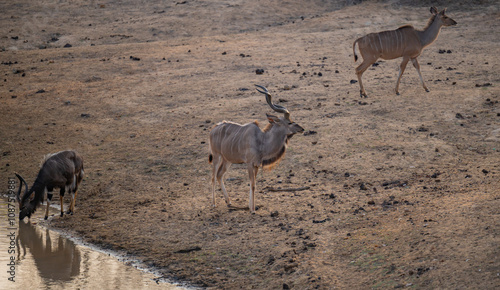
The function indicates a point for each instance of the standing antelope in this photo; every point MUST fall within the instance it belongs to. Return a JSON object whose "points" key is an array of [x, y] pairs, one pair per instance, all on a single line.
{"points": [[63, 170], [406, 42], [234, 143]]}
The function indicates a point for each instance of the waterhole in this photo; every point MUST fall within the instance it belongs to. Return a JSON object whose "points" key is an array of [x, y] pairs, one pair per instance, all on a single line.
{"points": [[34, 257]]}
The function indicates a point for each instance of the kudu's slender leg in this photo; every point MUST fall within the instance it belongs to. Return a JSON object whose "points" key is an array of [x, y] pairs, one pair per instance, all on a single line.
{"points": [[252, 172], [359, 72], [72, 204], [215, 168], [49, 198], [61, 199], [224, 166], [417, 66], [402, 68]]}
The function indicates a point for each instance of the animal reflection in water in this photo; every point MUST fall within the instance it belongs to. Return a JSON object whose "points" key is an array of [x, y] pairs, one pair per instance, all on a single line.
{"points": [[59, 261]]}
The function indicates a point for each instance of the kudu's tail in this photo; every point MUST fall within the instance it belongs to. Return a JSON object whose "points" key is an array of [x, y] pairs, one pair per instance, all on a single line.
{"points": [[354, 50]]}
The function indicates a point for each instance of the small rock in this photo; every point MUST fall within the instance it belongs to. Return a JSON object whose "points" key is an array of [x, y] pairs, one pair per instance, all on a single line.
{"points": [[310, 132], [275, 214], [259, 71], [68, 45], [353, 81]]}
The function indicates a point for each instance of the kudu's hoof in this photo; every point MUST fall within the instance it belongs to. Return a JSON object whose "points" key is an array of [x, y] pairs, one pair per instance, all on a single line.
{"points": [[46, 217]]}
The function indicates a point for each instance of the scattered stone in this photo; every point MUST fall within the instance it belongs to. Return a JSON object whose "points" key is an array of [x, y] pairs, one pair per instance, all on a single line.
{"points": [[422, 129], [310, 132], [189, 250], [275, 213], [353, 81], [259, 71], [459, 116], [135, 58], [85, 115], [40, 91], [68, 45]]}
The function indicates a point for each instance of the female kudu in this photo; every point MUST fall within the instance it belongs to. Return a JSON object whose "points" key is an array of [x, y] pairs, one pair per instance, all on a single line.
{"points": [[406, 42]]}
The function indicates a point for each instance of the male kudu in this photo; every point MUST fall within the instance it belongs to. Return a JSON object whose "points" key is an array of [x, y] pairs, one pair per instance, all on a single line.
{"points": [[406, 42], [232, 143], [63, 170]]}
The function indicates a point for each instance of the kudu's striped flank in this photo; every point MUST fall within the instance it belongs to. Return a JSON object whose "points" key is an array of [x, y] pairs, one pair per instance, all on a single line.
{"points": [[232, 143], [406, 42]]}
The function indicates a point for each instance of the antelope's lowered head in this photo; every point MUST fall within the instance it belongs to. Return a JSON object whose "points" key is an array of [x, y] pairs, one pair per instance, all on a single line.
{"points": [[63, 170], [234, 143]]}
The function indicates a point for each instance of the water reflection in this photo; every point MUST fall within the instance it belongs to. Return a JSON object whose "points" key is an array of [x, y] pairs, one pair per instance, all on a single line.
{"points": [[47, 260], [54, 260]]}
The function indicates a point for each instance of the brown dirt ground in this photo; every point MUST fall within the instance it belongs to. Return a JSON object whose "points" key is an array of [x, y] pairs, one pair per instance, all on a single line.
{"points": [[403, 190]]}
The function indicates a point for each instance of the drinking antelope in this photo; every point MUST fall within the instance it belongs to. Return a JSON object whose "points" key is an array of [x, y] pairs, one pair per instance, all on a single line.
{"points": [[406, 42], [63, 170], [234, 143]]}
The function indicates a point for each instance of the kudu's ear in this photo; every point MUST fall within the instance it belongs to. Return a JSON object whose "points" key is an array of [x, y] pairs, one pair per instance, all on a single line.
{"points": [[434, 10], [442, 12], [272, 118]]}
